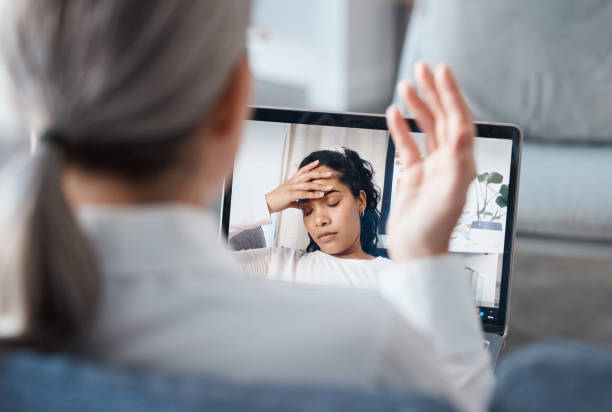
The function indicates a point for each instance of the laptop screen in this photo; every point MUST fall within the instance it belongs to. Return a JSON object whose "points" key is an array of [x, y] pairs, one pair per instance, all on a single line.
{"points": [[276, 142]]}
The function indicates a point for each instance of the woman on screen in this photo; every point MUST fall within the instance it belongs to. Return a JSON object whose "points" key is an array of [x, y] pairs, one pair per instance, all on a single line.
{"points": [[353, 194], [335, 191]]}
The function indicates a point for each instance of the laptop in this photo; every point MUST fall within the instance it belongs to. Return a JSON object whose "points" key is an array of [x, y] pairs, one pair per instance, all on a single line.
{"points": [[275, 140]]}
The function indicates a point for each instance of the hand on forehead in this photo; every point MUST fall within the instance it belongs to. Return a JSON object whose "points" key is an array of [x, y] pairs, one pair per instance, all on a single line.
{"points": [[332, 180]]}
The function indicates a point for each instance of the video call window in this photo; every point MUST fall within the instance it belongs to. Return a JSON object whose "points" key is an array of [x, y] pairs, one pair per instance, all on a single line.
{"points": [[271, 153]]}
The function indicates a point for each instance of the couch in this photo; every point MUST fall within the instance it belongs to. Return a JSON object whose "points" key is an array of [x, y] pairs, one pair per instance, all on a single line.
{"points": [[546, 66]]}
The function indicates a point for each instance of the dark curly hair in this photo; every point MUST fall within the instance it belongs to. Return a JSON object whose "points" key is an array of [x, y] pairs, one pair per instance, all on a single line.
{"points": [[356, 173]]}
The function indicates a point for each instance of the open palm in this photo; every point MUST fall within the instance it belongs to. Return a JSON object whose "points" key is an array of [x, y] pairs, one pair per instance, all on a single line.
{"points": [[431, 190]]}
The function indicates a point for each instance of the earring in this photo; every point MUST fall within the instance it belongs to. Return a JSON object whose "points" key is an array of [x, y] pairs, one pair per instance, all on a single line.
{"points": [[361, 213]]}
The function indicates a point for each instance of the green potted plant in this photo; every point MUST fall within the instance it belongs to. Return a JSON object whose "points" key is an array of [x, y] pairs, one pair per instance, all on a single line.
{"points": [[491, 201]]}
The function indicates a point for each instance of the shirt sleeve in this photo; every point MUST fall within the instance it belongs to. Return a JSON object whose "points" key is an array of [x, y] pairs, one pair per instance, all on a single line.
{"points": [[434, 296], [258, 215], [255, 262], [273, 263]]}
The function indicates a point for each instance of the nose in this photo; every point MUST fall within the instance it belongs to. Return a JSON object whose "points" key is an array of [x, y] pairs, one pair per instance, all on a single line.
{"points": [[321, 218]]}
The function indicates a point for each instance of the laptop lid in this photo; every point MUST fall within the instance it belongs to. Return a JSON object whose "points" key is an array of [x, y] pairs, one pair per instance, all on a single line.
{"points": [[276, 140]]}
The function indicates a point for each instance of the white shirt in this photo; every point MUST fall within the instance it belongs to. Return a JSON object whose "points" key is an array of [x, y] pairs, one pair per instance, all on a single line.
{"points": [[318, 267], [289, 265], [173, 299]]}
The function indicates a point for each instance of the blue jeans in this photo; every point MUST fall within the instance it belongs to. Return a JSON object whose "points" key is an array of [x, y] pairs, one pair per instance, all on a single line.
{"points": [[31, 382], [555, 376]]}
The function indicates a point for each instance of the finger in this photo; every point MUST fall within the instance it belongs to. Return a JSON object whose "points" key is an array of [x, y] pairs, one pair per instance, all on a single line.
{"points": [[405, 145], [306, 168], [408, 182], [305, 177], [312, 186], [460, 123], [423, 116], [412, 100], [430, 144], [450, 94], [306, 194], [427, 84], [324, 181]]}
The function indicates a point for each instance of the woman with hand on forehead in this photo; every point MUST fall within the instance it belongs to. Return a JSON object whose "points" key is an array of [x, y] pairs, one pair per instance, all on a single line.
{"points": [[335, 191]]}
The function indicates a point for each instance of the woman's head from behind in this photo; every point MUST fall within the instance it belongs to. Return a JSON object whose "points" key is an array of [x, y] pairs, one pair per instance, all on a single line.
{"points": [[345, 221], [137, 91], [125, 84]]}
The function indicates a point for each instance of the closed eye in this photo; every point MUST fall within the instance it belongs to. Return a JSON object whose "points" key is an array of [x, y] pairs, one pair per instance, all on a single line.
{"points": [[334, 204]]}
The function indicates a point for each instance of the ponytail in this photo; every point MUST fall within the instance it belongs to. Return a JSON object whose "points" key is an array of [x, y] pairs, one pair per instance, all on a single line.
{"points": [[126, 86], [49, 280]]}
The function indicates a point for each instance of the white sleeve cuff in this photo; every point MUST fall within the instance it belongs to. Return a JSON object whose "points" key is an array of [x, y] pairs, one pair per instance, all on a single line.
{"points": [[434, 294]]}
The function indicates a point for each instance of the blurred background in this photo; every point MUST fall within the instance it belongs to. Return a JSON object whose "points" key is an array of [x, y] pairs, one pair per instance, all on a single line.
{"points": [[330, 55], [9, 130]]}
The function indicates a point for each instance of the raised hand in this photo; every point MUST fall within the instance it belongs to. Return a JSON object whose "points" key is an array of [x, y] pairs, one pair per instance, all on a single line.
{"points": [[432, 189], [300, 186]]}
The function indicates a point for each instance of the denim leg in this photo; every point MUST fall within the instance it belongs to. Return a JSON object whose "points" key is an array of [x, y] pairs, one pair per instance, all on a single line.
{"points": [[555, 376]]}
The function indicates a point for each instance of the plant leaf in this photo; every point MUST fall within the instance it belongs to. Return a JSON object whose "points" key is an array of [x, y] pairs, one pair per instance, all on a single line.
{"points": [[483, 177], [495, 178], [501, 201], [503, 190]]}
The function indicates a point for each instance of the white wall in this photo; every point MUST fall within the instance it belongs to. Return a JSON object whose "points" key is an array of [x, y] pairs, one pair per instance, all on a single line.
{"points": [[9, 126], [257, 169]]}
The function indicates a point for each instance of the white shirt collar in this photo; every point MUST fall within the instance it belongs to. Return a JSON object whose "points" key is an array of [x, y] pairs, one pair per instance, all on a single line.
{"points": [[151, 236]]}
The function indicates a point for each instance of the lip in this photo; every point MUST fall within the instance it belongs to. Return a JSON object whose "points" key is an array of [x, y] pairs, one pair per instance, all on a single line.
{"points": [[327, 236]]}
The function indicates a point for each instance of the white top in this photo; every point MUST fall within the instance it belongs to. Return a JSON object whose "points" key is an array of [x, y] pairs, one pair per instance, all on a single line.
{"points": [[173, 299], [289, 265], [318, 267]]}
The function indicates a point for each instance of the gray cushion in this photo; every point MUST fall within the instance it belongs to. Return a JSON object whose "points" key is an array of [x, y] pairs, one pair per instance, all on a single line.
{"points": [[565, 191], [248, 239], [545, 65], [32, 382]]}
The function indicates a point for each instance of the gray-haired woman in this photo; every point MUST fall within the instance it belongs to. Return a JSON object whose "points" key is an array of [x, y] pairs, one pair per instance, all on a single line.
{"points": [[138, 107]]}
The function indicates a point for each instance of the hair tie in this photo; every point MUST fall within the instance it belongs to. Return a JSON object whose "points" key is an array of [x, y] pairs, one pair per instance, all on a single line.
{"points": [[55, 138]]}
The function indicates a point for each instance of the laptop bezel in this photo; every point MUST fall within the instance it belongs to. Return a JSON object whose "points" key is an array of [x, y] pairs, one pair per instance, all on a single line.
{"points": [[493, 130]]}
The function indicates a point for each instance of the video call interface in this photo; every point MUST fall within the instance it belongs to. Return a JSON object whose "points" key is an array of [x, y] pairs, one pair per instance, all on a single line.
{"points": [[271, 153]]}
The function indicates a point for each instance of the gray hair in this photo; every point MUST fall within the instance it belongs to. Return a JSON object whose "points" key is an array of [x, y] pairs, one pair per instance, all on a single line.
{"points": [[97, 74]]}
